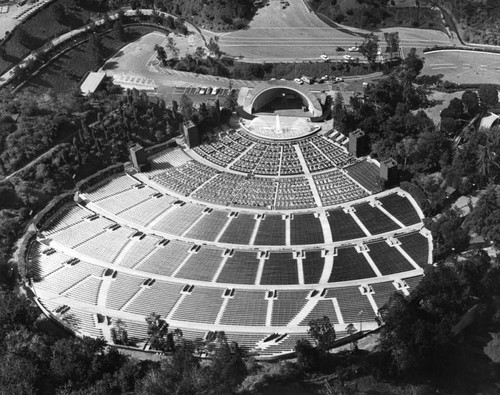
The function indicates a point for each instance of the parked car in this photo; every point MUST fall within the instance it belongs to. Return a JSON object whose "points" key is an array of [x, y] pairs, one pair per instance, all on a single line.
{"points": [[298, 81], [202, 91], [324, 57], [339, 79], [340, 49], [215, 90], [353, 49], [347, 57], [208, 91]]}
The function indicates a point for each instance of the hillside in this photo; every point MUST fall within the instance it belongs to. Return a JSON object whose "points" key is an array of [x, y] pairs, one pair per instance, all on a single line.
{"points": [[477, 20], [376, 14], [215, 15]]}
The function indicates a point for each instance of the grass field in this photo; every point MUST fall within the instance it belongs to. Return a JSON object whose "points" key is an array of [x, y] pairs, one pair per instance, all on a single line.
{"points": [[463, 67], [66, 72]]}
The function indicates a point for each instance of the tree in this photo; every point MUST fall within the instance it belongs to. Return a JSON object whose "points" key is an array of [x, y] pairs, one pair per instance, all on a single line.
{"points": [[213, 47], [323, 332], [369, 48], [172, 47], [488, 95], [97, 48], [118, 26], [413, 64], [470, 100], [187, 108], [392, 40], [308, 357], [157, 331], [199, 54], [485, 217], [161, 54]]}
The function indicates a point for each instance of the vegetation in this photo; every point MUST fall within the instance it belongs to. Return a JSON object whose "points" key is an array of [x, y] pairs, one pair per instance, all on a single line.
{"points": [[376, 14], [476, 19]]}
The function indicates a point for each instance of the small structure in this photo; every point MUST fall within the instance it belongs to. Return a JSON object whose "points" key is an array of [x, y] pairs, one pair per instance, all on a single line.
{"points": [[92, 82], [389, 171], [358, 143], [139, 158], [191, 134]]}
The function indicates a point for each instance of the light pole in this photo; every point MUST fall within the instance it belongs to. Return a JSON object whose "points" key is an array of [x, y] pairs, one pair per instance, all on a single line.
{"points": [[361, 322]]}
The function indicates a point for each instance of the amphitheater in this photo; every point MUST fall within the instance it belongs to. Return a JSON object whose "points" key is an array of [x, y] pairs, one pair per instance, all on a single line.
{"points": [[247, 235]]}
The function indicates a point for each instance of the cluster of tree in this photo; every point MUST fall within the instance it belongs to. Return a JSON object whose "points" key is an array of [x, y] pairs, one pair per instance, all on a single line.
{"points": [[35, 361], [374, 14], [430, 332], [389, 112], [476, 19], [461, 111]]}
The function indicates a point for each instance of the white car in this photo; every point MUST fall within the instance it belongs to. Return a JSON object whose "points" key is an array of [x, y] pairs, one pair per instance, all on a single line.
{"points": [[353, 49], [324, 57], [202, 91], [298, 81], [215, 91], [339, 79], [347, 57]]}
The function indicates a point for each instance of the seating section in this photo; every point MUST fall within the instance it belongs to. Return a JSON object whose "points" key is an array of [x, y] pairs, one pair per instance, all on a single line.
{"points": [[61, 280], [271, 231], [185, 178], [367, 174], [122, 288], [82, 231], [287, 306], [294, 193], [382, 292], [416, 246], [350, 265], [160, 298], [138, 250], [209, 226], [343, 226], [335, 187], [166, 259], [202, 305], [312, 266], [179, 219], [239, 230], [85, 291], [145, 212], [388, 259], [42, 264], [306, 229], [280, 269], [127, 199], [202, 266], [107, 245], [324, 307], [241, 268], [65, 218], [354, 306], [246, 308], [237, 190], [110, 187], [401, 208], [374, 220]]}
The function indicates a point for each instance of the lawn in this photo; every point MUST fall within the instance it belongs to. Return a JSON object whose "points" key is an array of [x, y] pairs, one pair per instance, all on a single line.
{"points": [[65, 73], [37, 30]]}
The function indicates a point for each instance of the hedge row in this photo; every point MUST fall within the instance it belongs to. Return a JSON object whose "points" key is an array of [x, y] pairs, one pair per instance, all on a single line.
{"points": [[51, 208]]}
